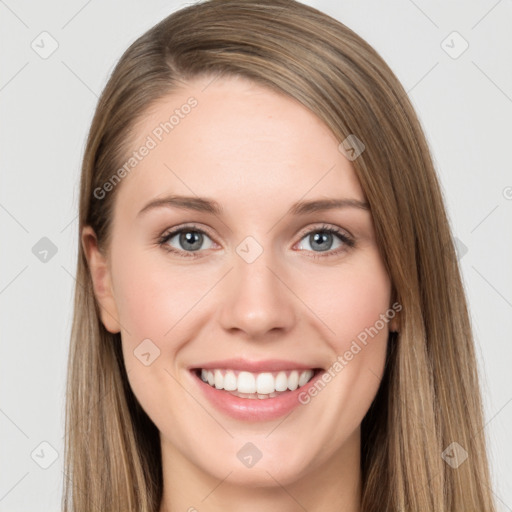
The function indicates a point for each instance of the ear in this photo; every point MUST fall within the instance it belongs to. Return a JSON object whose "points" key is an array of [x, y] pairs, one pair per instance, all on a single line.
{"points": [[101, 279]]}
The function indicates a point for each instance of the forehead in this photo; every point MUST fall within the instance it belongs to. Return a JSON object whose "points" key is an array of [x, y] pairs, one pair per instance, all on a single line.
{"points": [[236, 141]]}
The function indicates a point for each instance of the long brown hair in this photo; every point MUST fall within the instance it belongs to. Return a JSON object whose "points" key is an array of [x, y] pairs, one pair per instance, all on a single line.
{"points": [[429, 397]]}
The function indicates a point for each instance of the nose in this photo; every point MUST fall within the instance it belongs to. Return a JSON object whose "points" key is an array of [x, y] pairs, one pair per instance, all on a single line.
{"points": [[256, 298]]}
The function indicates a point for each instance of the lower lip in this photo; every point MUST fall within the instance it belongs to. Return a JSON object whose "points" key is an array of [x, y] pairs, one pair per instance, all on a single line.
{"points": [[254, 409]]}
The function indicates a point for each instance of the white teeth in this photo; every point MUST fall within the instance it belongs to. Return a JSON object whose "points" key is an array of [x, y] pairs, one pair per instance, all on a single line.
{"points": [[246, 382], [293, 380], [303, 379], [265, 383], [230, 381], [219, 379], [256, 385], [281, 382]]}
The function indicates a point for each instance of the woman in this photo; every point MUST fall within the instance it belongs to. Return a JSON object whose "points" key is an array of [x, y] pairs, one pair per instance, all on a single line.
{"points": [[218, 359]]}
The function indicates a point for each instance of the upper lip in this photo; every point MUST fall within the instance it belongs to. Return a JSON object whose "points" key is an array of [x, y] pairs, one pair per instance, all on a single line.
{"points": [[267, 365]]}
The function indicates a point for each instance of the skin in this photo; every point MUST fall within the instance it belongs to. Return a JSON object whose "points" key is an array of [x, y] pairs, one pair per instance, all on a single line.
{"points": [[256, 152]]}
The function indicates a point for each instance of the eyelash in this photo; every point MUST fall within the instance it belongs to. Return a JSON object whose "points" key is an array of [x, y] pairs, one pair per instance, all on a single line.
{"points": [[347, 240]]}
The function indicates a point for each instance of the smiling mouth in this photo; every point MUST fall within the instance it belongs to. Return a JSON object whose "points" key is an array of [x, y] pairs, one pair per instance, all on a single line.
{"points": [[260, 385]]}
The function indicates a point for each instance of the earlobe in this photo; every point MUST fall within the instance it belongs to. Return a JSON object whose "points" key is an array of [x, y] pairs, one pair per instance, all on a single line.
{"points": [[101, 279]]}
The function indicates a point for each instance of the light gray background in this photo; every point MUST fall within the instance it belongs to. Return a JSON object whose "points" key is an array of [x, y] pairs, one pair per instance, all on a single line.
{"points": [[464, 103]]}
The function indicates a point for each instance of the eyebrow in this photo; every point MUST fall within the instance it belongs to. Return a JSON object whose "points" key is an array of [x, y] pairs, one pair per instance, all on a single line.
{"points": [[201, 204]]}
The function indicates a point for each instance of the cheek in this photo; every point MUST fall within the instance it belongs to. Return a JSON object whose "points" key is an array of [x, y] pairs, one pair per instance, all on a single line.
{"points": [[362, 295], [151, 299], [350, 301], [151, 296]]}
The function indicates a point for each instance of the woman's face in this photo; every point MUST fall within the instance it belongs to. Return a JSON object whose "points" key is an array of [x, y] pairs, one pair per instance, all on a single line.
{"points": [[253, 286]]}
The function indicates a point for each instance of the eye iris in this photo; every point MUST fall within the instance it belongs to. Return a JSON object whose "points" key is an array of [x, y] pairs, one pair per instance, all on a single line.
{"points": [[191, 237], [320, 237]]}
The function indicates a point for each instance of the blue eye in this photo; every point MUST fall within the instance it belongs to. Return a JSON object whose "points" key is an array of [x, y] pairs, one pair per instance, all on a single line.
{"points": [[191, 239], [323, 239]]}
